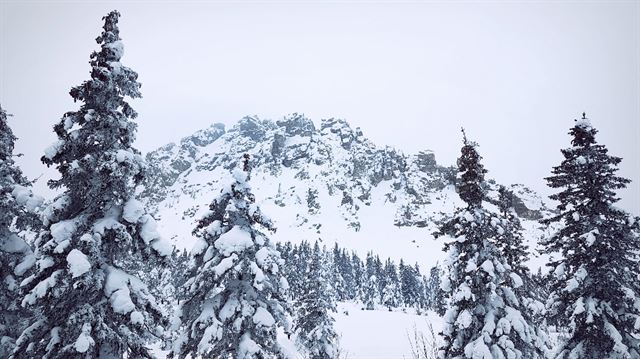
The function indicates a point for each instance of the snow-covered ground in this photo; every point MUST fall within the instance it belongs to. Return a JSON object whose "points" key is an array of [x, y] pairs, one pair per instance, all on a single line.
{"points": [[370, 334], [380, 334]]}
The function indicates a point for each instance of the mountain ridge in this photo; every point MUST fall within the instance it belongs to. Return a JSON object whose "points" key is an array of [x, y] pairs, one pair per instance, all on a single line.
{"points": [[318, 182]]}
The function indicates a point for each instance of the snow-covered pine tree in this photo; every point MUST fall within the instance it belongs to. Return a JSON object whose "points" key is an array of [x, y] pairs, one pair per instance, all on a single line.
{"points": [[483, 319], [314, 324], [291, 270], [337, 267], [16, 257], [300, 259], [370, 288], [235, 298], [358, 276], [436, 296], [98, 238], [421, 302], [391, 296], [511, 243], [594, 286], [370, 293], [348, 276], [409, 285]]}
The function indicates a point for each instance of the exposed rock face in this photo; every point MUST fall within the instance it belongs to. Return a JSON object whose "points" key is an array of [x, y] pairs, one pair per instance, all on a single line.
{"points": [[165, 164]]}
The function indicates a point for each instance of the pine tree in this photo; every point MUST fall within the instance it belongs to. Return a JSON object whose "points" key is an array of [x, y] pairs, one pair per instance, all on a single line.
{"points": [[370, 290], [379, 272], [338, 269], [348, 276], [421, 299], [293, 273], [235, 298], [358, 276], [436, 296], [315, 330], [515, 253], [410, 285], [483, 319], [17, 206], [594, 286], [370, 293], [510, 240], [98, 238], [391, 296], [300, 261]]}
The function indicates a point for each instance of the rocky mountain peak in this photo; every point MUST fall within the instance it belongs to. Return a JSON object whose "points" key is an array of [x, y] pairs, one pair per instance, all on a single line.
{"points": [[317, 183]]}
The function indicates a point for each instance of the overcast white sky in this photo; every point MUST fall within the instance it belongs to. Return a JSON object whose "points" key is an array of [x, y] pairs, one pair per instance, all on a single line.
{"points": [[515, 74]]}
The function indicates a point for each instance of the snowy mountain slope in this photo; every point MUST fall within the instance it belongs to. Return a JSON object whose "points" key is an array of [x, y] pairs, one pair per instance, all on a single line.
{"points": [[329, 183]]}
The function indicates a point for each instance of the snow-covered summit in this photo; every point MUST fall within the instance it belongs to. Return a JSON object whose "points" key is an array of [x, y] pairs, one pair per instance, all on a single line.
{"points": [[326, 182]]}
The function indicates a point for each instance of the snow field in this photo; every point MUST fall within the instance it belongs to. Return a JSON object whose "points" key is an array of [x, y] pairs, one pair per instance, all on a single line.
{"points": [[366, 334]]}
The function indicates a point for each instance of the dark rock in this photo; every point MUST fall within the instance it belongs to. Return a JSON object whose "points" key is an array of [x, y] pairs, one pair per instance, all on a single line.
{"points": [[296, 124]]}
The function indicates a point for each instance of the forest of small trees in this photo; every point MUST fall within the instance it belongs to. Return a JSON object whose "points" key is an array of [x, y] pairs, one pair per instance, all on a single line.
{"points": [[87, 275]]}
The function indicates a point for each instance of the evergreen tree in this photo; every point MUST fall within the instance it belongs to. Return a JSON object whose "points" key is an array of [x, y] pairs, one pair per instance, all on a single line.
{"points": [[235, 298], [483, 319], [421, 299], [370, 289], [594, 286], [87, 291], [358, 276], [370, 293], [515, 253], [380, 275], [436, 296], [17, 206], [316, 306], [391, 296], [338, 271], [293, 269], [410, 285], [348, 276], [510, 240]]}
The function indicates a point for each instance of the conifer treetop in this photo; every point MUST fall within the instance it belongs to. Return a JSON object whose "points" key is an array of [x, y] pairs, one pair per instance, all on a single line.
{"points": [[471, 174], [95, 143], [587, 173], [594, 262], [7, 139], [8, 171]]}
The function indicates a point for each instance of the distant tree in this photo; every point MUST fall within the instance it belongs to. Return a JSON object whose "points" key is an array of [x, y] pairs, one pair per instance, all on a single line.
{"points": [[421, 302], [87, 289], [371, 295], [410, 285], [17, 206], [391, 295], [358, 276], [436, 296], [380, 274], [236, 296], [338, 269], [594, 287], [484, 318], [347, 271], [316, 306]]}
